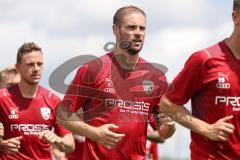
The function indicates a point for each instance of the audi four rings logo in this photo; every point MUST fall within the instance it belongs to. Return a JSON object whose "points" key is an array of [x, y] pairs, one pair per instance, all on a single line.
{"points": [[222, 84]]}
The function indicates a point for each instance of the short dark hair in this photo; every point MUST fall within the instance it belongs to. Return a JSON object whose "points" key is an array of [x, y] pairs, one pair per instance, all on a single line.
{"points": [[27, 48], [236, 5], [117, 19]]}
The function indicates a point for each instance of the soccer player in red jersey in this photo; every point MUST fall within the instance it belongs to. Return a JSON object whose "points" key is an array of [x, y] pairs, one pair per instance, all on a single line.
{"points": [[111, 98], [210, 78], [27, 112], [8, 76]]}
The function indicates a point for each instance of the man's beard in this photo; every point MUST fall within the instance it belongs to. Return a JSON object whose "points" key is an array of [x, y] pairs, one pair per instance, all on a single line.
{"points": [[133, 52], [127, 46]]}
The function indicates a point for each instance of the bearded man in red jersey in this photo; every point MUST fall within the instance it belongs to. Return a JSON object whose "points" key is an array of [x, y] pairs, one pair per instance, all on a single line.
{"points": [[112, 98], [210, 78]]}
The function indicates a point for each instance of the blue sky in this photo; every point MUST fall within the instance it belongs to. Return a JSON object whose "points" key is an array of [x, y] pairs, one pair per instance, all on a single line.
{"points": [[65, 29]]}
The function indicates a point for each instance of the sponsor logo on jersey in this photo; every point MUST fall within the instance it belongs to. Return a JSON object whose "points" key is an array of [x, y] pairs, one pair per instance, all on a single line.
{"points": [[29, 129], [228, 101], [223, 81], [13, 114], [110, 88], [148, 86], [45, 112], [128, 106]]}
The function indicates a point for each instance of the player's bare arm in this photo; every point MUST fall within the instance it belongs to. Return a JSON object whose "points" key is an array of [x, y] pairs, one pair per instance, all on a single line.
{"points": [[155, 137], [102, 134], [218, 131], [1, 132], [65, 143]]}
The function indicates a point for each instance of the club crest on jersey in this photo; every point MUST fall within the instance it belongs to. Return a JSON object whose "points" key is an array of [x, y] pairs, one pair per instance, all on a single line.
{"points": [[45, 112], [148, 86]]}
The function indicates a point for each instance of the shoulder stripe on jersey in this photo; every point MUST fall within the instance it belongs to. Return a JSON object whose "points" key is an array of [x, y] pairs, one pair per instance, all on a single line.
{"points": [[208, 53], [4, 92], [50, 94]]}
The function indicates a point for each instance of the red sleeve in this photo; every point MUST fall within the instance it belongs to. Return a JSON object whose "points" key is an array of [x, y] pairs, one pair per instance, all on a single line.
{"points": [[58, 129], [74, 99], [189, 80], [163, 88], [152, 122]]}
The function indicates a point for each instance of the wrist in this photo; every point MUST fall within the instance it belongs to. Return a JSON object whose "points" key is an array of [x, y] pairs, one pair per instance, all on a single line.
{"points": [[58, 141], [93, 134], [2, 145], [205, 130]]}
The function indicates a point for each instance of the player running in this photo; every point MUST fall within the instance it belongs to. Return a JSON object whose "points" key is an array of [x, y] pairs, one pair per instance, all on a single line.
{"points": [[115, 95], [27, 112], [210, 78]]}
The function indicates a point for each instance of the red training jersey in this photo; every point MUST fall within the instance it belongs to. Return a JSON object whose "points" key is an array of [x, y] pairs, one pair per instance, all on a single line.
{"points": [[27, 117], [103, 92], [210, 78]]}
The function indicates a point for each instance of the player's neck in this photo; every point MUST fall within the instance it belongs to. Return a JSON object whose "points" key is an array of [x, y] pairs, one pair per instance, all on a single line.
{"points": [[233, 44], [28, 90], [126, 60]]}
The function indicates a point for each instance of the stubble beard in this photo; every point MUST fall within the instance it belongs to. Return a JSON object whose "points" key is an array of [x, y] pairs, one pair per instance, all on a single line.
{"points": [[127, 46]]}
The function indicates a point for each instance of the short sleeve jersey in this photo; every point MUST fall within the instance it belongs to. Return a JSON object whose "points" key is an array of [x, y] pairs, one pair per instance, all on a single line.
{"points": [[103, 92], [27, 117], [210, 78]]}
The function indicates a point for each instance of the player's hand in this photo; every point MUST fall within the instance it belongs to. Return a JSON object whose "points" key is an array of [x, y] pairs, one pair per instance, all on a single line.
{"points": [[106, 137], [169, 122], [170, 125], [49, 137], [220, 130], [11, 146], [166, 120], [1, 132], [167, 126]]}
